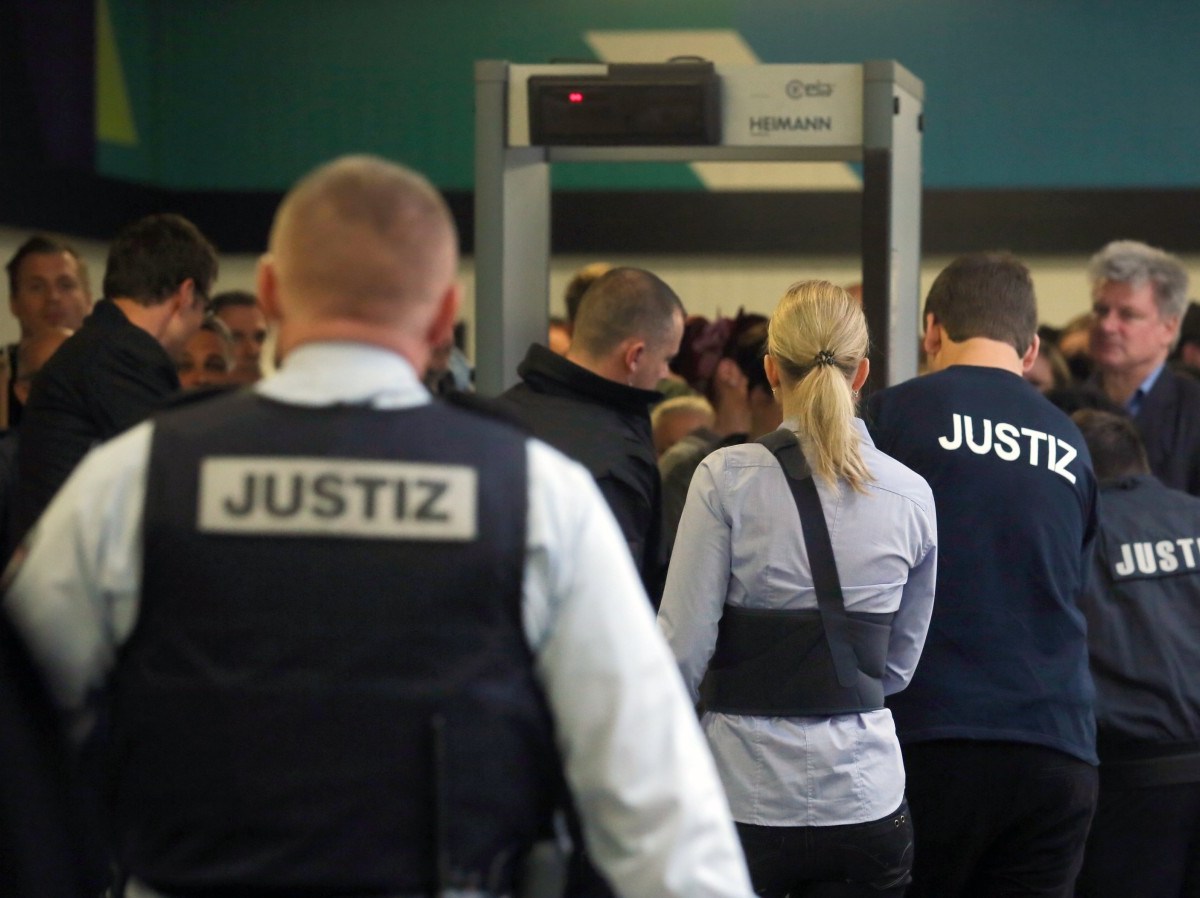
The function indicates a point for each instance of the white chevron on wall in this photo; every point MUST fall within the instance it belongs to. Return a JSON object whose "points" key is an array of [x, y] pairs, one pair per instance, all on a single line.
{"points": [[724, 47]]}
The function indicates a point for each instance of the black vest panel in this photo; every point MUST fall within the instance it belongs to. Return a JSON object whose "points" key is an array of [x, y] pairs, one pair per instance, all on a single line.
{"points": [[776, 663], [792, 663], [309, 713]]}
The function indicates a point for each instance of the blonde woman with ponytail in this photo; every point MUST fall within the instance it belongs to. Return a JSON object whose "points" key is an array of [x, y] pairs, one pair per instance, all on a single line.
{"points": [[798, 596]]}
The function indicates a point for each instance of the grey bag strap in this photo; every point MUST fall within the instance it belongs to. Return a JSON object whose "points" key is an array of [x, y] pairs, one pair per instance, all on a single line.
{"points": [[786, 449]]}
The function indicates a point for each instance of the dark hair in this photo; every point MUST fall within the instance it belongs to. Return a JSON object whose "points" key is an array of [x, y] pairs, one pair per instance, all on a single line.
{"points": [[43, 244], [231, 299], [1189, 329], [1114, 443], [985, 295], [150, 258], [1059, 369], [748, 349], [706, 342], [623, 303]]}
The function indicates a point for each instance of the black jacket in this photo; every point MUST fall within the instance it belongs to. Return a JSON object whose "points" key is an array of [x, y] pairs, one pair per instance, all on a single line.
{"points": [[1143, 612], [1169, 422], [605, 426], [107, 377]]}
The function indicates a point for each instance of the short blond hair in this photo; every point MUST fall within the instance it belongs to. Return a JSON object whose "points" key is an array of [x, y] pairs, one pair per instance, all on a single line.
{"points": [[682, 405], [365, 238]]}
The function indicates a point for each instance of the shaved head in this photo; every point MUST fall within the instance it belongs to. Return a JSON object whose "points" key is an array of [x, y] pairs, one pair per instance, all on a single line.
{"points": [[366, 240]]}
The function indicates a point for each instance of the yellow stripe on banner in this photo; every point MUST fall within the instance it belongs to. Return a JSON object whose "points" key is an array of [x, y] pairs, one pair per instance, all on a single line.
{"points": [[114, 116]]}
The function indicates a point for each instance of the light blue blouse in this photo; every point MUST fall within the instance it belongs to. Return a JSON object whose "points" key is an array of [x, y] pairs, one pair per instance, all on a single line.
{"points": [[740, 543]]}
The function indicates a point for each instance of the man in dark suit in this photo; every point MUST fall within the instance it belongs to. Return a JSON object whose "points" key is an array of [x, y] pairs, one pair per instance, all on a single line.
{"points": [[1139, 295]]}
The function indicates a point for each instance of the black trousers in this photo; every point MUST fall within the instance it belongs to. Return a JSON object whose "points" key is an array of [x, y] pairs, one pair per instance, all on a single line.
{"points": [[857, 860], [997, 818], [1144, 841]]}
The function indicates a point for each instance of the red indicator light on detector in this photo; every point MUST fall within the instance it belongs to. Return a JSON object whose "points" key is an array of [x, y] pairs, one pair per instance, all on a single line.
{"points": [[575, 96]]}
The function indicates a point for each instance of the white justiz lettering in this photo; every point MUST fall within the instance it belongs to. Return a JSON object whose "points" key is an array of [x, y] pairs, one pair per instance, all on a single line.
{"points": [[346, 498], [1004, 440], [1157, 557]]}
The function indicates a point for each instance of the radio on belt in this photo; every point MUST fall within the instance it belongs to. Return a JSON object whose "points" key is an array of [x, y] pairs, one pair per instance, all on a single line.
{"points": [[674, 103]]}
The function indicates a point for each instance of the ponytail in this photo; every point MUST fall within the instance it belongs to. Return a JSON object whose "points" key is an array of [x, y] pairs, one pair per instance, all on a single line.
{"points": [[817, 337]]}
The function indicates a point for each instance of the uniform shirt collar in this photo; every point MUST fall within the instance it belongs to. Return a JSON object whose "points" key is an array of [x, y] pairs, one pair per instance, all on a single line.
{"points": [[345, 373]]}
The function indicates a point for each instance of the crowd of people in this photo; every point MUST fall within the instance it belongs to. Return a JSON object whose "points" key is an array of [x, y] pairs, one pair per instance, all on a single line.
{"points": [[682, 613]]}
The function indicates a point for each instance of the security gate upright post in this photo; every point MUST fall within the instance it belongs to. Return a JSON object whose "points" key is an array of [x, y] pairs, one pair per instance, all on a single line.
{"points": [[870, 112]]}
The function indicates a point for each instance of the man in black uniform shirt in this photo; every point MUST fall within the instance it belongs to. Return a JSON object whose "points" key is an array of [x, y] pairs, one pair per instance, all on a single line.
{"points": [[996, 726], [1143, 614]]}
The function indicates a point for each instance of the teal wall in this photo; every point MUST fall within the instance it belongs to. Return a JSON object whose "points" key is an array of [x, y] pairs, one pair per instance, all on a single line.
{"points": [[247, 94], [1022, 93]]}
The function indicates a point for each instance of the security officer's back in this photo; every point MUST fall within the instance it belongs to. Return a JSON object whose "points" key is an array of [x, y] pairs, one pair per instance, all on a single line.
{"points": [[1143, 614], [354, 639], [333, 621]]}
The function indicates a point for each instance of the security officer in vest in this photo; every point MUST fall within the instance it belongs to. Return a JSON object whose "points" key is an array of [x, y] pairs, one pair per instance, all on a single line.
{"points": [[351, 638], [1143, 615]]}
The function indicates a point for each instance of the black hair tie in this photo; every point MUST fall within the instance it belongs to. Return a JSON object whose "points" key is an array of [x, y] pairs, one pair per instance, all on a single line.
{"points": [[825, 357]]}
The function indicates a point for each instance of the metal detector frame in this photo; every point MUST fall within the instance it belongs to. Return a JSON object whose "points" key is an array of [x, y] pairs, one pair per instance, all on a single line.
{"points": [[512, 202]]}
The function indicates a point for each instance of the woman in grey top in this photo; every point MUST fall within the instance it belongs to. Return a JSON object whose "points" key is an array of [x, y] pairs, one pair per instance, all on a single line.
{"points": [[793, 700]]}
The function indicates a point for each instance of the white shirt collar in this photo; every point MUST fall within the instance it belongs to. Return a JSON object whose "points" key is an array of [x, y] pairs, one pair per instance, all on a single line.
{"points": [[333, 373]]}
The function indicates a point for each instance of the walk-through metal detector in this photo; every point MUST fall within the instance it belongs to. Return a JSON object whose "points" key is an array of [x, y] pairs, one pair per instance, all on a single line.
{"points": [[529, 116]]}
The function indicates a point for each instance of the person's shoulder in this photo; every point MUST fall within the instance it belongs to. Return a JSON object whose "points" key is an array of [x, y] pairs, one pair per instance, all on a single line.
{"points": [[899, 391], [485, 412], [750, 453], [897, 478], [914, 390], [1186, 387], [686, 453], [1147, 491], [558, 476]]}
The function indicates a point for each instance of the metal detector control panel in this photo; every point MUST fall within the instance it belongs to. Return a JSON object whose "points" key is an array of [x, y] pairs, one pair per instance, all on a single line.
{"points": [[687, 104], [674, 103]]}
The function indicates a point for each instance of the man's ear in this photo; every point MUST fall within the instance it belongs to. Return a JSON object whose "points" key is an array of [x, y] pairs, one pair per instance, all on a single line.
{"points": [[184, 296], [1031, 354], [932, 342], [441, 328], [266, 280], [632, 352]]}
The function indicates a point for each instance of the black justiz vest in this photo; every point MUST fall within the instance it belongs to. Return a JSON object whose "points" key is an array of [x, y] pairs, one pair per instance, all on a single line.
{"points": [[776, 663], [328, 689]]}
